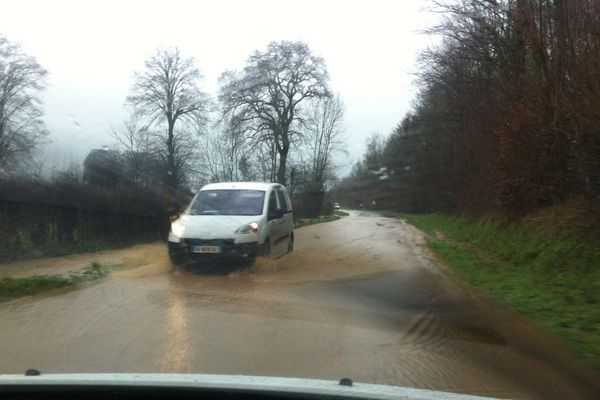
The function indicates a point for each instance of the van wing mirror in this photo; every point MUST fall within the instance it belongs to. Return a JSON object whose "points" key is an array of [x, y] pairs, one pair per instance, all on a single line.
{"points": [[275, 214]]}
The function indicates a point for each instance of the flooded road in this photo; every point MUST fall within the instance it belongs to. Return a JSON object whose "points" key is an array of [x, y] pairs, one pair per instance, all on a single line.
{"points": [[360, 297]]}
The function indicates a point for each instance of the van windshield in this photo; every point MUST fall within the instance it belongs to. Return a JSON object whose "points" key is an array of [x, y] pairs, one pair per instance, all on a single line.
{"points": [[228, 202]]}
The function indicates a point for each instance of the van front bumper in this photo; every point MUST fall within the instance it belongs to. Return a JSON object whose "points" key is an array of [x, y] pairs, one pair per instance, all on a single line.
{"points": [[182, 252]]}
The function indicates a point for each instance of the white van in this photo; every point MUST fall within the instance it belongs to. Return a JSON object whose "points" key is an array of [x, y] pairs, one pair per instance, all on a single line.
{"points": [[234, 219]]}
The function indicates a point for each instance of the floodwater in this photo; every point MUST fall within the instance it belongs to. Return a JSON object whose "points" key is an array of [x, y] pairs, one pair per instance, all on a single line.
{"points": [[360, 297]]}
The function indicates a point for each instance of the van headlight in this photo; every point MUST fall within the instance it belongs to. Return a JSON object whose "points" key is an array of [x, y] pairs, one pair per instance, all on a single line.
{"points": [[177, 231], [248, 229]]}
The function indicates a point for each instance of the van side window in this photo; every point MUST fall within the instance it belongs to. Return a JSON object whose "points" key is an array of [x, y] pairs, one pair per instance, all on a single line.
{"points": [[288, 201], [282, 202], [272, 202]]}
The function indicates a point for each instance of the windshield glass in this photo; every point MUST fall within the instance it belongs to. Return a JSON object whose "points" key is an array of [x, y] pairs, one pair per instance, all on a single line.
{"points": [[427, 203], [228, 202]]}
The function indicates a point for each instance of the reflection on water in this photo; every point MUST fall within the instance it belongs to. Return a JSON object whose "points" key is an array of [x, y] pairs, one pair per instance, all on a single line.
{"points": [[176, 354]]}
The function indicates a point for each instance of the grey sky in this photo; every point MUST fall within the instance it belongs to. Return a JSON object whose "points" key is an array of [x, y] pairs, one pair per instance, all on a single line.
{"points": [[92, 48]]}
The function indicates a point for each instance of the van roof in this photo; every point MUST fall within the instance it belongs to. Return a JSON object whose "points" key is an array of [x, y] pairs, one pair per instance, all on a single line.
{"points": [[240, 185]]}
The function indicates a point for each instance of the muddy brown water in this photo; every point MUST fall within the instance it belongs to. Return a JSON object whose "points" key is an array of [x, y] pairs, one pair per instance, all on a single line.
{"points": [[360, 297]]}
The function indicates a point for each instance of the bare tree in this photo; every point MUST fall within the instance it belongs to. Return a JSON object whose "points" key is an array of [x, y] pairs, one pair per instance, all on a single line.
{"points": [[324, 133], [71, 175], [21, 125], [167, 91], [133, 136], [262, 101], [220, 157], [225, 156], [136, 142]]}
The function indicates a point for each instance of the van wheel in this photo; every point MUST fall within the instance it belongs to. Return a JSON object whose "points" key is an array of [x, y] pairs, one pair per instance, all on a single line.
{"points": [[267, 248], [176, 259], [291, 243]]}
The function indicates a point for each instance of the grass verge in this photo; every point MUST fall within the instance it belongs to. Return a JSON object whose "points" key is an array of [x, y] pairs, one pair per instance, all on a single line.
{"points": [[12, 288], [553, 280]]}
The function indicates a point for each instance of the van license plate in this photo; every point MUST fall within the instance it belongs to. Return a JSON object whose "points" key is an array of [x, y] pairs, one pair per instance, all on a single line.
{"points": [[206, 249]]}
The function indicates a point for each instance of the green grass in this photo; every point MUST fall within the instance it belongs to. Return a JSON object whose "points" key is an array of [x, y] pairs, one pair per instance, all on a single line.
{"points": [[553, 280], [341, 213], [11, 288]]}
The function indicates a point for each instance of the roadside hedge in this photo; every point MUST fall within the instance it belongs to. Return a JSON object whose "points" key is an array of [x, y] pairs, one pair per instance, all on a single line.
{"points": [[42, 218]]}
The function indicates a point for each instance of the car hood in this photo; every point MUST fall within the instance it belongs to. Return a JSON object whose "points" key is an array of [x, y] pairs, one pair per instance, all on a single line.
{"points": [[213, 226], [262, 385]]}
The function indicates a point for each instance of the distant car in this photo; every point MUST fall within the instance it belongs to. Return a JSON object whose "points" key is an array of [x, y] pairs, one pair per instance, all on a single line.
{"points": [[233, 220], [336, 206]]}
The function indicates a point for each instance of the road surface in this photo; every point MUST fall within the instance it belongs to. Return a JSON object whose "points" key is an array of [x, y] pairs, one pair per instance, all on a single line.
{"points": [[360, 297]]}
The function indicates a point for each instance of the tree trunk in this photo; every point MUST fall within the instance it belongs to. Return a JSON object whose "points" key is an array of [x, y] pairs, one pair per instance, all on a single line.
{"points": [[283, 153], [281, 170], [171, 179]]}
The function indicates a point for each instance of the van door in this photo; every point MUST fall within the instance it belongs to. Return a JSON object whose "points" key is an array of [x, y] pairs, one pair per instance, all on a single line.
{"points": [[275, 218], [287, 225]]}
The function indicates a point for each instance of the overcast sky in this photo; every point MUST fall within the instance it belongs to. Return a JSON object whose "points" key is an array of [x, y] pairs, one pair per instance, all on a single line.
{"points": [[92, 48]]}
